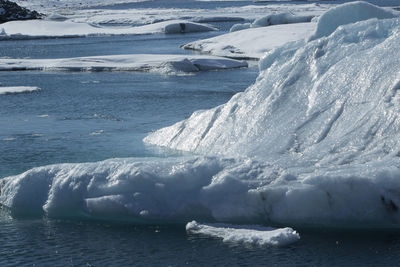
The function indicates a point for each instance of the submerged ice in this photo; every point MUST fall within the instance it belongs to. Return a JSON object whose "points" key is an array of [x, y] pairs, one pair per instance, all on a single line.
{"points": [[315, 141]]}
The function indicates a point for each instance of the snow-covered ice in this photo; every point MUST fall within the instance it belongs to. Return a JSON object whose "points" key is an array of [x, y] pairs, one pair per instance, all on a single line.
{"points": [[315, 141], [273, 19], [73, 11], [253, 43], [350, 13], [135, 62], [17, 89], [137, 16], [50, 29], [248, 234]]}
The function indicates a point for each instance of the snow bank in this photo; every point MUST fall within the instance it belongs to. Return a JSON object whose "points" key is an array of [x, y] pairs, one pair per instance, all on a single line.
{"points": [[17, 89], [248, 234], [49, 29], [252, 43], [349, 13], [273, 19], [137, 62]]}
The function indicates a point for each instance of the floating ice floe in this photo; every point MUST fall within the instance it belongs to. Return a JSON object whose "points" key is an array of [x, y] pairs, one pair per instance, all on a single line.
{"points": [[52, 29], [247, 234], [315, 141], [252, 43], [17, 89], [136, 62], [273, 19]]}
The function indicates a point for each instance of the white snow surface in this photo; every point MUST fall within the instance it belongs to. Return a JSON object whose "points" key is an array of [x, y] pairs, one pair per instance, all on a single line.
{"points": [[17, 89], [253, 43], [273, 19], [315, 141], [168, 64], [247, 234], [350, 13], [48, 29], [139, 16]]}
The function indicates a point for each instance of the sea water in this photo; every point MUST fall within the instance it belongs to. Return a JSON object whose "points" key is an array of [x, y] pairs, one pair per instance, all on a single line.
{"points": [[92, 116]]}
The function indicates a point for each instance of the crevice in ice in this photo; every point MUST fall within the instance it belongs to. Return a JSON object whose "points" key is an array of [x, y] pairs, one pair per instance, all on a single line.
{"points": [[331, 122], [389, 204], [214, 117]]}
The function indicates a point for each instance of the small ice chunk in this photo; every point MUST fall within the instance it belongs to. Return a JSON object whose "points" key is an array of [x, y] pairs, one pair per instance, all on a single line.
{"points": [[17, 89], [249, 234]]}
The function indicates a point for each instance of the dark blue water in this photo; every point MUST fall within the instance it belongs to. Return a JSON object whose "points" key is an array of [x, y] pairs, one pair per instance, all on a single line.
{"points": [[43, 242]]}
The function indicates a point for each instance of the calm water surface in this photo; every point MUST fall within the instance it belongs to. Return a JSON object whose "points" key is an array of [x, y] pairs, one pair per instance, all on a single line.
{"points": [[44, 242]]}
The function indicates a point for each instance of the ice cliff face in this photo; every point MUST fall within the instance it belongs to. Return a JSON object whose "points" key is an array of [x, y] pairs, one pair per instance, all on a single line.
{"points": [[11, 11], [315, 141]]}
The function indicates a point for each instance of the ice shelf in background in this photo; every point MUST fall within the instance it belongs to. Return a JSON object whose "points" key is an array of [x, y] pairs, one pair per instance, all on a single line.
{"points": [[138, 16], [55, 29], [136, 62]]}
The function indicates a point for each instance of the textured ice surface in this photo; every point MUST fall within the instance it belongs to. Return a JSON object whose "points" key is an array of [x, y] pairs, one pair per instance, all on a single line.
{"points": [[49, 29], [330, 100], [315, 141], [248, 234], [138, 62], [17, 89]]}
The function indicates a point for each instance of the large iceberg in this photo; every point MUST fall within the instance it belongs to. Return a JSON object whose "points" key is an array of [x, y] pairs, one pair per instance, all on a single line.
{"points": [[315, 141]]}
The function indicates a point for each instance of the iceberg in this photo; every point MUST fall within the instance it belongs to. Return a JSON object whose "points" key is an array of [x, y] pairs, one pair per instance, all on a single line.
{"points": [[350, 13], [313, 142], [252, 43], [247, 234], [272, 19], [55, 29], [167, 64]]}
